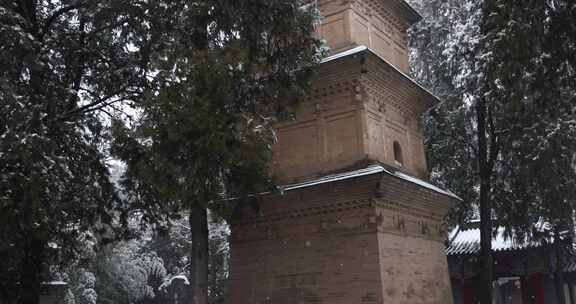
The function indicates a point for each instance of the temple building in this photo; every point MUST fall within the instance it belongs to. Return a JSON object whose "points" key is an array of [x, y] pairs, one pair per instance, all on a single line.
{"points": [[524, 271], [357, 222]]}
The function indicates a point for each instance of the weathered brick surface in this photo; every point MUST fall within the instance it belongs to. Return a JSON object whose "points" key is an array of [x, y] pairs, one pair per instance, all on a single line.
{"points": [[369, 240], [327, 134], [413, 270], [361, 104], [380, 25], [359, 107], [340, 243]]}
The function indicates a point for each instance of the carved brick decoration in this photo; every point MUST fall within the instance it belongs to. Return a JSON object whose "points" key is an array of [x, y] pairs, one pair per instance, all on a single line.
{"points": [[358, 225]]}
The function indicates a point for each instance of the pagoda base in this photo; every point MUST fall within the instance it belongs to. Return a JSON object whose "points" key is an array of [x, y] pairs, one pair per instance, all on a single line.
{"points": [[343, 242]]}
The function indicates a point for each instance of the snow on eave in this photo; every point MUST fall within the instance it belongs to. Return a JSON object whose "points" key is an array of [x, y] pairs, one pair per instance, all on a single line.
{"points": [[168, 282], [335, 177], [464, 241], [363, 48], [373, 169], [425, 184], [55, 283], [181, 277], [346, 53]]}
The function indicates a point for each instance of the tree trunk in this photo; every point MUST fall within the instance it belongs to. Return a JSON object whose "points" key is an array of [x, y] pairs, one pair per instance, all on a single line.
{"points": [[525, 289], [559, 286], [32, 272], [559, 274], [33, 251], [487, 155], [571, 291], [198, 220], [485, 206]]}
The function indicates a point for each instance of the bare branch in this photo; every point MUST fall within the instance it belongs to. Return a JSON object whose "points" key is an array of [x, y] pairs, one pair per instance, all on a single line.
{"points": [[95, 106]]}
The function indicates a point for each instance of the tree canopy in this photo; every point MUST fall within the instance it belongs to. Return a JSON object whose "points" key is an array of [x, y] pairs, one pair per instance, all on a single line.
{"points": [[504, 136], [63, 64], [226, 73], [207, 80]]}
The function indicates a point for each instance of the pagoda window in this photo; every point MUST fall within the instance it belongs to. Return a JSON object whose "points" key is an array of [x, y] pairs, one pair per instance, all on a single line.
{"points": [[398, 158]]}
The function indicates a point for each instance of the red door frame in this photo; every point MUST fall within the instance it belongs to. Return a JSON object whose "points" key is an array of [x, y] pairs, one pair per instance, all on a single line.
{"points": [[538, 290], [467, 291]]}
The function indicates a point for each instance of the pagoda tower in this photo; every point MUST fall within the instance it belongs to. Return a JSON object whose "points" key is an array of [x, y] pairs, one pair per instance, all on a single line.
{"points": [[357, 222]]}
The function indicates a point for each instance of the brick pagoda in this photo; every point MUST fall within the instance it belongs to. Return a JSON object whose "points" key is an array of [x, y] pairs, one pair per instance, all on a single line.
{"points": [[357, 222]]}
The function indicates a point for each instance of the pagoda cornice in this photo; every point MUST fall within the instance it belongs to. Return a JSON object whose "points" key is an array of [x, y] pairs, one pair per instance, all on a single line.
{"points": [[365, 87], [389, 10]]}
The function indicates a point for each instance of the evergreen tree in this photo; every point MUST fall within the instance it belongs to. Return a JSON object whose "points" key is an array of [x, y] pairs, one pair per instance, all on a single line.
{"points": [[516, 88], [125, 273], [442, 50], [463, 137], [63, 63], [532, 58], [527, 94], [228, 70], [172, 244]]}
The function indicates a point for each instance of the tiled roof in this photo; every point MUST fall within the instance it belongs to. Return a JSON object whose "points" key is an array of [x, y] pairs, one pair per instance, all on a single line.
{"points": [[466, 241]]}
